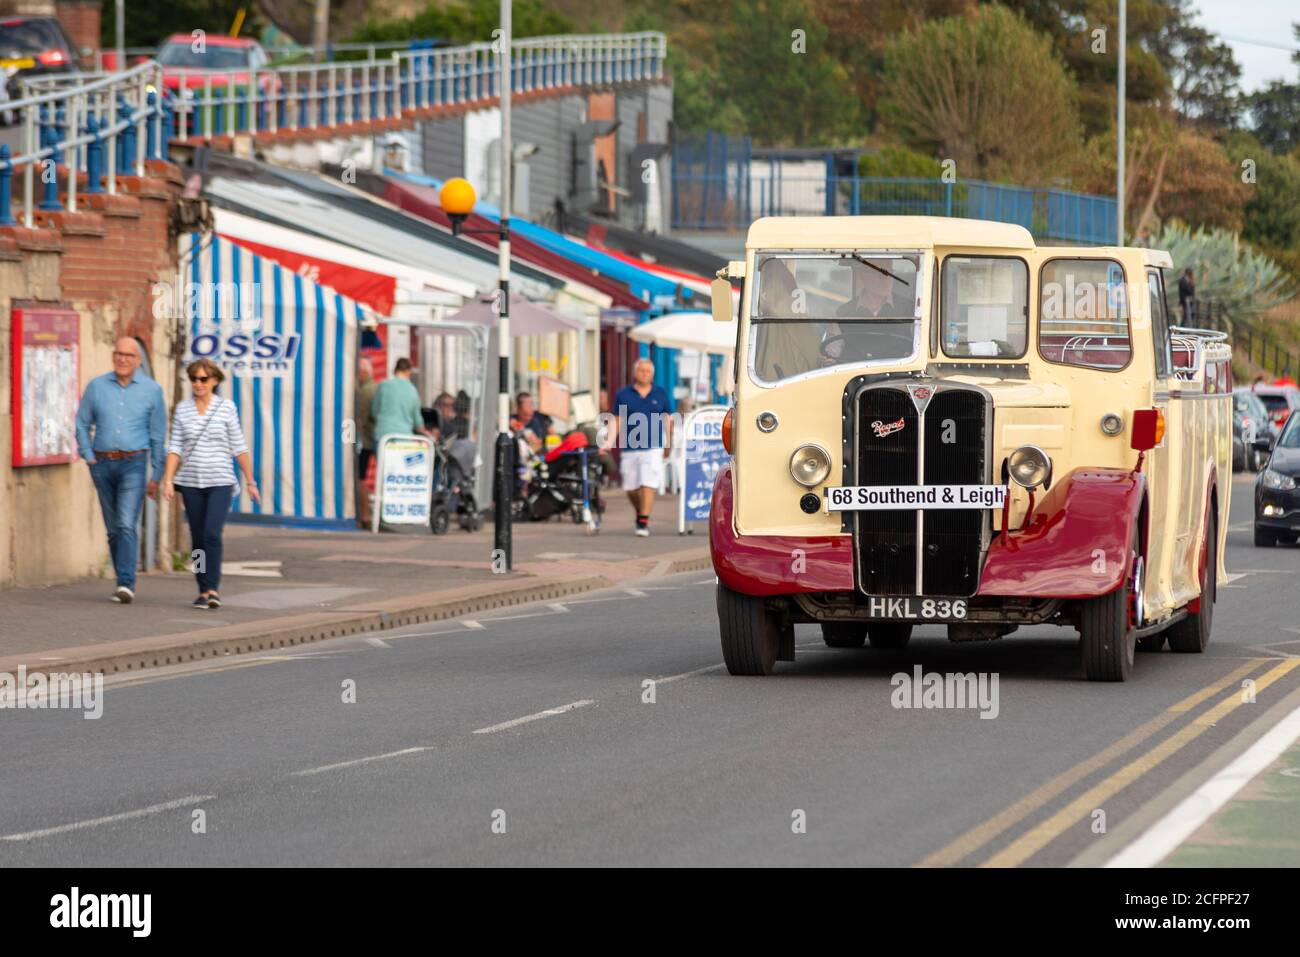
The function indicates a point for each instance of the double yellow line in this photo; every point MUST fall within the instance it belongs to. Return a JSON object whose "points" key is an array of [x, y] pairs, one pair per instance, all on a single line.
{"points": [[1039, 836]]}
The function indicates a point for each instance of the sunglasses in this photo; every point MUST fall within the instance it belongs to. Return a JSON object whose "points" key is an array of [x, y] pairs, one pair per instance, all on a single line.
{"points": [[200, 378], [125, 355]]}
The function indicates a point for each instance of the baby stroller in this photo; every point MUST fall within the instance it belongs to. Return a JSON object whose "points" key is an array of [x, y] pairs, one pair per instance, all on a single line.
{"points": [[453, 488], [566, 480]]}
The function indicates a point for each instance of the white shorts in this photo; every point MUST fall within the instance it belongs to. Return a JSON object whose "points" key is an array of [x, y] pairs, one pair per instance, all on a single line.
{"points": [[643, 469]]}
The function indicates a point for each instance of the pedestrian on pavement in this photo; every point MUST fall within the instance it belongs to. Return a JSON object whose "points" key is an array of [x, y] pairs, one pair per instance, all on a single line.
{"points": [[121, 427], [536, 426], [206, 435], [365, 396], [644, 426], [395, 409], [1187, 296]]}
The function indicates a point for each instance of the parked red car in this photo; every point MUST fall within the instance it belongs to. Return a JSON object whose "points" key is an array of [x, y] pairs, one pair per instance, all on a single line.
{"points": [[1281, 398], [225, 61]]}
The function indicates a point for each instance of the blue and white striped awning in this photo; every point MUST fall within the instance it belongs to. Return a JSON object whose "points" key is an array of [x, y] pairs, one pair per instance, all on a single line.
{"points": [[288, 347]]}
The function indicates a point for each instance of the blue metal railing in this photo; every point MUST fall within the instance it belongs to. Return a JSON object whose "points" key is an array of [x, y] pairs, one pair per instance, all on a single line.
{"points": [[733, 199], [106, 124], [107, 127], [339, 93]]}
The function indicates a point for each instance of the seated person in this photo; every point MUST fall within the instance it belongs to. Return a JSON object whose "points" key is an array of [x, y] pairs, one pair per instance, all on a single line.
{"points": [[878, 293], [782, 348], [536, 427]]}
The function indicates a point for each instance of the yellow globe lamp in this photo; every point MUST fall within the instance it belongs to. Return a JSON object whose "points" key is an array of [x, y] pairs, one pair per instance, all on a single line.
{"points": [[457, 199]]}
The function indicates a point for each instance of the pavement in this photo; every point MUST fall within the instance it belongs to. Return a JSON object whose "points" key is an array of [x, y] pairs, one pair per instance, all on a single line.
{"points": [[602, 728], [285, 586]]}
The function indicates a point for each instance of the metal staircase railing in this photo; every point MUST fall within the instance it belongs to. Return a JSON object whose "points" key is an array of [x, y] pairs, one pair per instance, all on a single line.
{"points": [[102, 124]]}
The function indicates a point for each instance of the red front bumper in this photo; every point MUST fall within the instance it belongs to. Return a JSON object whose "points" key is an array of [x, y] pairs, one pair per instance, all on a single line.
{"points": [[1076, 547]]}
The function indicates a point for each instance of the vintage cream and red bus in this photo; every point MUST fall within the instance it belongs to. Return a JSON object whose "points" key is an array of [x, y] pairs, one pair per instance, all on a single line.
{"points": [[938, 422]]}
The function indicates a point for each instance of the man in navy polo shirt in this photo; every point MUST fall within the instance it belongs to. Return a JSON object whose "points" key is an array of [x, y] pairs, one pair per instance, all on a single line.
{"points": [[645, 429]]}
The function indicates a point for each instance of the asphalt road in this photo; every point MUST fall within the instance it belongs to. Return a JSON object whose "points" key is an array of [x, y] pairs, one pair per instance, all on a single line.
{"points": [[717, 770]]}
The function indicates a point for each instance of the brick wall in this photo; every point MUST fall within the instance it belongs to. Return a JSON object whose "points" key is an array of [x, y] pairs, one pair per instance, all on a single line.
{"points": [[81, 18], [102, 261]]}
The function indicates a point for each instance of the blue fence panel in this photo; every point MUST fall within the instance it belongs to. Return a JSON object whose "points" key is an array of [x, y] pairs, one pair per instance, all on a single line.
{"points": [[1002, 204], [717, 185], [1081, 218]]}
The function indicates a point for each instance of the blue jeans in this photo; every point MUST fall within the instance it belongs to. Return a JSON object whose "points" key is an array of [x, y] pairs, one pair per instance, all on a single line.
{"points": [[206, 509], [121, 485]]}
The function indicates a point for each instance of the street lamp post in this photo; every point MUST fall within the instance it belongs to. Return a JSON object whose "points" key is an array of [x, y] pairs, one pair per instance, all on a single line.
{"points": [[1119, 125], [505, 447], [457, 199]]}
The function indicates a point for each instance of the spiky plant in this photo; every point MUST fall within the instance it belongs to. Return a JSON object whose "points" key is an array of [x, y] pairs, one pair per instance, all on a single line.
{"points": [[1227, 270]]}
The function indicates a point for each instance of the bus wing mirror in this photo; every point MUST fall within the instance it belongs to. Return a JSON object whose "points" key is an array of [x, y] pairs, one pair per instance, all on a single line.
{"points": [[721, 290]]}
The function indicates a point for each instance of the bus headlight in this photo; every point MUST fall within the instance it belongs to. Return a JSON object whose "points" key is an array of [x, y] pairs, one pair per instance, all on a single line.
{"points": [[810, 465], [1029, 467]]}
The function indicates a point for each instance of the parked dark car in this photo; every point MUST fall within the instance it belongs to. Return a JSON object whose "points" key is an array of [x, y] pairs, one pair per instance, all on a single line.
{"points": [[33, 45], [1253, 432], [1277, 500]]}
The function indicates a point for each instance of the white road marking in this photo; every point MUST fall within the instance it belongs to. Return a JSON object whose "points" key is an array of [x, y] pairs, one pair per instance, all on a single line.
{"points": [[635, 593], [431, 634], [378, 642], [1272, 652], [306, 654], [111, 819], [471, 623], [1164, 837], [549, 712], [688, 674], [558, 608], [356, 761], [527, 614]]}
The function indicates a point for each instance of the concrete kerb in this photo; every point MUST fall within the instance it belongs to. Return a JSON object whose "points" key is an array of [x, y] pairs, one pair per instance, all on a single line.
{"points": [[158, 651]]}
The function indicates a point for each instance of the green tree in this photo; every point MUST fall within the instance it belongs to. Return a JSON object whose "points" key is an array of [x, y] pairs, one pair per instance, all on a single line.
{"points": [[1172, 171], [1092, 58], [1275, 115], [891, 161], [1203, 73], [149, 22], [1272, 213], [987, 91], [858, 32], [764, 67], [466, 21]]}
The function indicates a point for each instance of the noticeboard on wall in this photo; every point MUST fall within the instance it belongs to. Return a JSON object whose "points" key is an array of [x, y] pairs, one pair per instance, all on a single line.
{"points": [[46, 365]]}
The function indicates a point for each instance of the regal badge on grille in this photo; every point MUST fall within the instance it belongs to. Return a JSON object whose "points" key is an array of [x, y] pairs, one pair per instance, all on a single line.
{"points": [[921, 395], [887, 428]]}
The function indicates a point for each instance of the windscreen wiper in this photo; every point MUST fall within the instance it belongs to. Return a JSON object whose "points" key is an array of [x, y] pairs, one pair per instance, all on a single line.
{"points": [[883, 272]]}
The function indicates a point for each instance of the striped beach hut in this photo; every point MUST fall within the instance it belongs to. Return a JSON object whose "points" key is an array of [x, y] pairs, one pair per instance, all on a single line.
{"points": [[288, 347]]}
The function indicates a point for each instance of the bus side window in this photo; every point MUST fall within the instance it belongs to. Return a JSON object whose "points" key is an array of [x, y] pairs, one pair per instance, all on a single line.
{"points": [[1159, 322]]}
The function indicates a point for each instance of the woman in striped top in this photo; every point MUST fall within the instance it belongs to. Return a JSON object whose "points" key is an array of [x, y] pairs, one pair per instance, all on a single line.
{"points": [[206, 435]]}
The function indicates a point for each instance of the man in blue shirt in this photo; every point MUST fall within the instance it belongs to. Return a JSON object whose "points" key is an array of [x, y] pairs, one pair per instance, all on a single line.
{"points": [[644, 427], [121, 429]]}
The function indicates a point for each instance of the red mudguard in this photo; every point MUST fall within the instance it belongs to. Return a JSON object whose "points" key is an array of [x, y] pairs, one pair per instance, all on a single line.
{"points": [[1076, 547], [774, 564]]}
